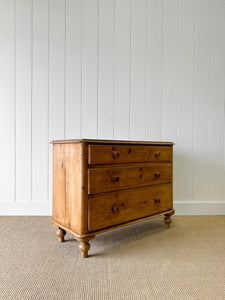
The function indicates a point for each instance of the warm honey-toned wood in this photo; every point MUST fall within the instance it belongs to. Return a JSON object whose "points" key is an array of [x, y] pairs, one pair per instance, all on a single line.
{"points": [[70, 186], [59, 188], [117, 208], [85, 235], [116, 178], [114, 154], [102, 185], [60, 234], [119, 142], [76, 181], [84, 247], [167, 219]]}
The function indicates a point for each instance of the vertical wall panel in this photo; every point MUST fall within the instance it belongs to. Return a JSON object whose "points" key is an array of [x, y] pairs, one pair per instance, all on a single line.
{"points": [[201, 107], [184, 144], [7, 109], [56, 76], [23, 99], [56, 68], [122, 70], [138, 69], [90, 60], [154, 71], [170, 70], [170, 78], [73, 69], [216, 100], [40, 143], [106, 69]]}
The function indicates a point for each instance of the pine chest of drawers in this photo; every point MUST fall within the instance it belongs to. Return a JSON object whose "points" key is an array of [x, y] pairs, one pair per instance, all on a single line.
{"points": [[102, 185]]}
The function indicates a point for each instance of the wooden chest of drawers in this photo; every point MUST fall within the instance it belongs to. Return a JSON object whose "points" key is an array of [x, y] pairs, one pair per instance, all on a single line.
{"points": [[102, 185]]}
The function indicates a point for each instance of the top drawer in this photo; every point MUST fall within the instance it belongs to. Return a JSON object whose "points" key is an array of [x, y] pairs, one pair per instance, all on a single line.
{"points": [[116, 154]]}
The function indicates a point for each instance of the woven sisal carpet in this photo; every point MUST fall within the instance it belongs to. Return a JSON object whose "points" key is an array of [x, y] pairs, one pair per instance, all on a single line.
{"points": [[142, 261]]}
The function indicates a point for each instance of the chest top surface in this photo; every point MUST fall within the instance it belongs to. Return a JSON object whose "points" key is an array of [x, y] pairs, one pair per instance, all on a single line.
{"points": [[107, 142]]}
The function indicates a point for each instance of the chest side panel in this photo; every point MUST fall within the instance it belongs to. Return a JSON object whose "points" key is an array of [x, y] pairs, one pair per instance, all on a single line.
{"points": [[70, 186], [59, 188]]}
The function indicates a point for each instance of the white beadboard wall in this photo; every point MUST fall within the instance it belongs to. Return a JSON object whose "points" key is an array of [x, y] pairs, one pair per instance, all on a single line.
{"points": [[112, 69]]}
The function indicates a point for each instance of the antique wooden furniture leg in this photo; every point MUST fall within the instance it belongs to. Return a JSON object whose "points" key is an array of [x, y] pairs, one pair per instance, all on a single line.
{"points": [[84, 246], [60, 234], [167, 219]]}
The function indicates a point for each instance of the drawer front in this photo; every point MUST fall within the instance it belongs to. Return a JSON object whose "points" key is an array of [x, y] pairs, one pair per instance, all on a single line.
{"points": [[118, 208], [116, 154], [102, 180]]}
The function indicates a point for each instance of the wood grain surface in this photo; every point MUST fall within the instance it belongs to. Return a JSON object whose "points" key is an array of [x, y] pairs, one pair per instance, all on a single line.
{"points": [[116, 178], [111, 154], [117, 208]]}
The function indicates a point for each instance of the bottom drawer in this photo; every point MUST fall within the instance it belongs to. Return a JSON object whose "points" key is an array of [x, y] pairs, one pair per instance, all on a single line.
{"points": [[118, 208]]}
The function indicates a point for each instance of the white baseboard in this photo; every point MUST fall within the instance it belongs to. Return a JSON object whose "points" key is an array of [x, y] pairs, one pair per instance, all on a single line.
{"points": [[25, 209], [45, 209], [191, 209]]}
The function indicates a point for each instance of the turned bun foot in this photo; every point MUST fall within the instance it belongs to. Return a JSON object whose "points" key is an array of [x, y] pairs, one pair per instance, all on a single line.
{"points": [[60, 234], [84, 247], [167, 221]]}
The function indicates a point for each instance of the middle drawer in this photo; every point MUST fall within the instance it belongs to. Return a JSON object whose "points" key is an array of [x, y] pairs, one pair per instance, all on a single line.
{"points": [[102, 180]]}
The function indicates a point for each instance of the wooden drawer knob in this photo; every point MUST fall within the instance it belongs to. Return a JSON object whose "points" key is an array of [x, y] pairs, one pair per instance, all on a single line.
{"points": [[157, 154], [115, 153], [115, 178], [157, 200], [115, 209], [157, 174]]}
